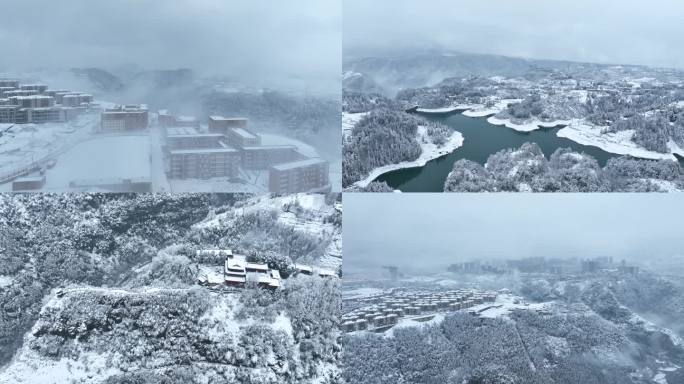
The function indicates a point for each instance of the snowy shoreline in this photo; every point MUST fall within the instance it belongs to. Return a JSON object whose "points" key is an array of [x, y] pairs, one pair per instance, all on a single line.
{"points": [[577, 130], [430, 151], [619, 142], [529, 126]]}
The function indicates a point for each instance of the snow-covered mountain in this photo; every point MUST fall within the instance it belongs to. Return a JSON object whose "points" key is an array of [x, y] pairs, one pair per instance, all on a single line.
{"points": [[103, 288]]}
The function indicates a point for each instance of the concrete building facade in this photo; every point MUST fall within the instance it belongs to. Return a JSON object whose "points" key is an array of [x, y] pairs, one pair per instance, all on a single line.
{"points": [[262, 157], [220, 124], [242, 138], [125, 118], [34, 103], [299, 176], [203, 163]]}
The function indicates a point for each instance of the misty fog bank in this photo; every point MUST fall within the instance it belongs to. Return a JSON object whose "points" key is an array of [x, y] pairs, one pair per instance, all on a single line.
{"points": [[426, 232], [609, 32], [258, 43]]}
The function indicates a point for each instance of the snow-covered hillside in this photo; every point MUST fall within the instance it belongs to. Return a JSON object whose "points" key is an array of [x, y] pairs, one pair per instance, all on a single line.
{"points": [[105, 288]]}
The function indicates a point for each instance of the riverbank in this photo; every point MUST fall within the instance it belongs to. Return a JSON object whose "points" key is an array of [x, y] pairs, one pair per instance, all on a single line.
{"points": [[430, 151], [484, 111], [577, 130], [528, 126], [619, 142]]}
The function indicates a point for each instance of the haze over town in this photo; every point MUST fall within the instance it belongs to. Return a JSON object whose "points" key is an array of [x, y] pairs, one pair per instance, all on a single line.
{"points": [[426, 233]]}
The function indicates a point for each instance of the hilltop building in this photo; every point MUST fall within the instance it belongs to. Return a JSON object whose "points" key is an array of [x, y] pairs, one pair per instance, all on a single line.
{"points": [[238, 272]]}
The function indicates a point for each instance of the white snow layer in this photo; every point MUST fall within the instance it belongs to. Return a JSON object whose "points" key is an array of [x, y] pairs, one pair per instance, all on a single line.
{"points": [[619, 142], [430, 151]]}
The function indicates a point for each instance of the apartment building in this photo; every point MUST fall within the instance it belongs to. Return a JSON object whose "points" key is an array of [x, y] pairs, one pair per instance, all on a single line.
{"points": [[262, 157], [299, 176], [203, 163], [125, 118]]}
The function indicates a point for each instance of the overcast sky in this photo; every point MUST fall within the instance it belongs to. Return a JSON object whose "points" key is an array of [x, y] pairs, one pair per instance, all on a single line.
{"points": [[417, 230], [256, 38], [606, 31]]}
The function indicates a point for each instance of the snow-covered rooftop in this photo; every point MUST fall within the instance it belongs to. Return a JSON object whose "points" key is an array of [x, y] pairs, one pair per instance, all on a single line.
{"points": [[202, 150], [267, 147], [217, 118], [244, 133], [298, 164]]}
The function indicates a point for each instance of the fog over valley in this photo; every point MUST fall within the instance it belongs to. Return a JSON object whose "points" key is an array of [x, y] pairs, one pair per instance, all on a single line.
{"points": [[513, 288], [426, 233], [613, 32], [260, 43], [267, 75]]}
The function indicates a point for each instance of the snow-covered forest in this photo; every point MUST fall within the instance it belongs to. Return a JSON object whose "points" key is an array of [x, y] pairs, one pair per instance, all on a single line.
{"points": [[622, 109], [592, 331], [526, 169], [102, 288], [384, 137]]}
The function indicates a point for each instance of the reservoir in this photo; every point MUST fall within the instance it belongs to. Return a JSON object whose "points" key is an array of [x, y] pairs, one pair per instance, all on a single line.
{"points": [[481, 139]]}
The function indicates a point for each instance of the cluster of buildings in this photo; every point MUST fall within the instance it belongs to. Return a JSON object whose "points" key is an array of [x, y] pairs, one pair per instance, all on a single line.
{"points": [[122, 118], [543, 265], [228, 145], [35, 103], [238, 272], [381, 312], [606, 265], [475, 267]]}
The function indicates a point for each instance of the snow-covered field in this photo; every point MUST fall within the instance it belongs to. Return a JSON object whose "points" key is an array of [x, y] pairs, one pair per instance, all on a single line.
{"points": [[349, 120], [30, 368], [618, 142], [430, 151], [102, 158], [483, 111], [26, 144], [357, 293], [253, 181], [411, 322], [504, 304], [5, 281]]}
